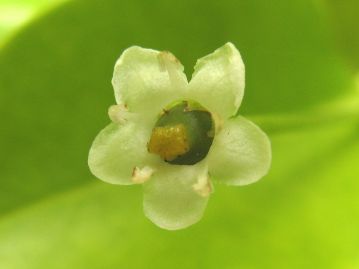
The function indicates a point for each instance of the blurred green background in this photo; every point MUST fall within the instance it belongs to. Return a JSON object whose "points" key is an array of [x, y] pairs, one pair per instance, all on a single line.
{"points": [[302, 64]]}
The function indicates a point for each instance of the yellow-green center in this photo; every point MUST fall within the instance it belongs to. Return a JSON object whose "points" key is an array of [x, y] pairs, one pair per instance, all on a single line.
{"points": [[169, 141], [183, 133]]}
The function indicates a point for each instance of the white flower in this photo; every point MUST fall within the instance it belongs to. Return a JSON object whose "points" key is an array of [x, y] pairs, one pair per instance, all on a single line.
{"points": [[138, 148]]}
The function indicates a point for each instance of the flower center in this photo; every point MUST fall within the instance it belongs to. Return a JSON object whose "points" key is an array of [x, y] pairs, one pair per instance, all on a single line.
{"points": [[183, 133]]}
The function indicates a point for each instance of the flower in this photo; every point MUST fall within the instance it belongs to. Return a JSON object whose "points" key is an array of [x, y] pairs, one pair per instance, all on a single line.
{"points": [[177, 137]]}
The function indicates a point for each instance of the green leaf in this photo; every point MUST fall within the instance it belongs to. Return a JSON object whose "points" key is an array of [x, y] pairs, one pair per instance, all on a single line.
{"points": [[344, 18], [14, 13], [54, 93]]}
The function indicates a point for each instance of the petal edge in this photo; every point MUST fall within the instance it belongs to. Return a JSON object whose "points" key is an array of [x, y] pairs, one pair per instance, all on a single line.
{"points": [[147, 80], [116, 151], [240, 154], [170, 199], [219, 76]]}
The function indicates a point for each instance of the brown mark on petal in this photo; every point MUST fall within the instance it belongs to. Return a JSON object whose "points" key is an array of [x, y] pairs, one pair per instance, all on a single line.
{"points": [[203, 186], [118, 113], [165, 59], [134, 171], [141, 175]]}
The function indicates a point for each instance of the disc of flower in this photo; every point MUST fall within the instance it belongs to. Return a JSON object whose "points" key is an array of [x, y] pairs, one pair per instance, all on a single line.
{"points": [[177, 137]]}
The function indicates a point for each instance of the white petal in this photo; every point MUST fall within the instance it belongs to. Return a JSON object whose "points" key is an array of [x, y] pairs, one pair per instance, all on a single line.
{"points": [[118, 150], [218, 81], [170, 198], [147, 80], [240, 153]]}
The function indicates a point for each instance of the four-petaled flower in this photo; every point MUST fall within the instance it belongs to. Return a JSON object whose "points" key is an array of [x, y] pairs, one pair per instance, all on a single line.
{"points": [[145, 144]]}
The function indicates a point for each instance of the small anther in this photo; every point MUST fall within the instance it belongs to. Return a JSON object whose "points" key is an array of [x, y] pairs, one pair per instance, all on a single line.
{"points": [[186, 107], [203, 186], [141, 175], [118, 113]]}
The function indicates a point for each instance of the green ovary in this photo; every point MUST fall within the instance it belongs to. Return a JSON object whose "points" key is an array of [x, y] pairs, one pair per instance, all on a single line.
{"points": [[183, 133]]}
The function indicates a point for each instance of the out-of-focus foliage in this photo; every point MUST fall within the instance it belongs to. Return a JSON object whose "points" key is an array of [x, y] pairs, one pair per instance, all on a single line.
{"points": [[13, 13], [54, 93], [345, 20]]}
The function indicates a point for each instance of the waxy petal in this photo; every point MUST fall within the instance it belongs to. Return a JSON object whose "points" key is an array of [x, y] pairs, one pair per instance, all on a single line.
{"points": [[218, 81], [118, 150], [147, 80], [172, 199], [240, 153]]}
